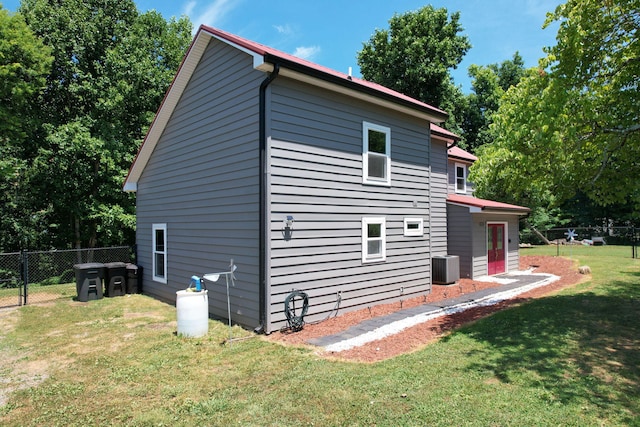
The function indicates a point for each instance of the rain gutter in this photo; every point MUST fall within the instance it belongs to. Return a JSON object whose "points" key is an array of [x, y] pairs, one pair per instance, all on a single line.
{"points": [[263, 214]]}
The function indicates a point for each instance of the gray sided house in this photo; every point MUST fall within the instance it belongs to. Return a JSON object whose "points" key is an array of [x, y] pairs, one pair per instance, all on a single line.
{"points": [[308, 178], [483, 233]]}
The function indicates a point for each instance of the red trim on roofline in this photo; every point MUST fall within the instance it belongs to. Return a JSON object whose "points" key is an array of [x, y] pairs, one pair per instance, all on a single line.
{"points": [[459, 153], [307, 67], [443, 133], [484, 204], [264, 57]]}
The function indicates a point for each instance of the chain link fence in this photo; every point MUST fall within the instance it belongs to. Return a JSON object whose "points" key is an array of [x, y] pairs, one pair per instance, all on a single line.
{"points": [[593, 236], [11, 284], [42, 276]]}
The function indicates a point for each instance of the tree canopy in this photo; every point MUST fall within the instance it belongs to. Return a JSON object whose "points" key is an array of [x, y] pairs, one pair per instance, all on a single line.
{"points": [[24, 63], [415, 55], [488, 85], [573, 124], [110, 68]]}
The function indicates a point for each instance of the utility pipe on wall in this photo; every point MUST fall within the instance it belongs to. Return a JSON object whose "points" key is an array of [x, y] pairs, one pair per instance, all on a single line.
{"points": [[262, 262]]}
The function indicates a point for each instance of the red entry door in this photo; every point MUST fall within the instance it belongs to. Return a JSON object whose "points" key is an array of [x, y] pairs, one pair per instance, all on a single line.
{"points": [[495, 248]]}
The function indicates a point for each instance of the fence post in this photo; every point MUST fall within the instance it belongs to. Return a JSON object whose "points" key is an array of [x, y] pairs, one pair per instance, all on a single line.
{"points": [[25, 275]]}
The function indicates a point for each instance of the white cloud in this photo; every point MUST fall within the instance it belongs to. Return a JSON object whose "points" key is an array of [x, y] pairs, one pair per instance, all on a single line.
{"points": [[212, 14], [284, 29], [188, 8], [306, 52]]}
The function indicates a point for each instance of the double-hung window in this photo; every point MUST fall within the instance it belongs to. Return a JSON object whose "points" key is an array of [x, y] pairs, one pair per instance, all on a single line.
{"points": [[374, 239], [159, 248], [376, 154], [461, 178]]}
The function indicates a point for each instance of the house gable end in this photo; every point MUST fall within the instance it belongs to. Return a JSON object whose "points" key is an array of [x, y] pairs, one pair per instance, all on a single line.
{"points": [[263, 60]]}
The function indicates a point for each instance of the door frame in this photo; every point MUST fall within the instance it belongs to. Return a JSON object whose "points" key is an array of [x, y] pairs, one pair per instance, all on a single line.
{"points": [[505, 244]]}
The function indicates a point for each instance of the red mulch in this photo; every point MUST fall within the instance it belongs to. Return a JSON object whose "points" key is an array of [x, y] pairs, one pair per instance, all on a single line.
{"points": [[418, 336]]}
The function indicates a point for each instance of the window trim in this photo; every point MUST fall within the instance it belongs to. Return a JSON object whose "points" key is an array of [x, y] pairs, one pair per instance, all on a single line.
{"points": [[366, 221], [154, 252], [366, 179], [417, 232], [464, 178]]}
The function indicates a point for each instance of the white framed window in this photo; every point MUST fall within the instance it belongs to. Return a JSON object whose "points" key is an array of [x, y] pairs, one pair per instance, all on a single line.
{"points": [[413, 227], [461, 178], [376, 154], [374, 239], [159, 255]]}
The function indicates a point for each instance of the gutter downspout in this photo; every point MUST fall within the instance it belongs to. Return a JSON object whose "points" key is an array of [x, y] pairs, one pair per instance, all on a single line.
{"points": [[262, 261]]}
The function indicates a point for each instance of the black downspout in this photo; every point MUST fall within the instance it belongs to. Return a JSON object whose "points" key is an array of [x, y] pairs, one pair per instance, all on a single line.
{"points": [[262, 262]]}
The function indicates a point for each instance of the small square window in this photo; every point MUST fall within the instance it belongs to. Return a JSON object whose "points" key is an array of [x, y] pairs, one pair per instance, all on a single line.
{"points": [[373, 239], [376, 154], [413, 227]]}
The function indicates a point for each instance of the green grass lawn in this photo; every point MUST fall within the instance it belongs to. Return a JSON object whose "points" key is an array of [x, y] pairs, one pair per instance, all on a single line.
{"points": [[568, 359]]}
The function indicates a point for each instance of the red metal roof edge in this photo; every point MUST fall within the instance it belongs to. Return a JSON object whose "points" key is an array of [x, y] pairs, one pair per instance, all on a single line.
{"points": [[459, 153], [266, 51], [484, 204], [442, 132]]}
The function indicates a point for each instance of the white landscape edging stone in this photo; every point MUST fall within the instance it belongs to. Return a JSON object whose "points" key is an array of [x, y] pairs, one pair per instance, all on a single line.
{"points": [[400, 325]]}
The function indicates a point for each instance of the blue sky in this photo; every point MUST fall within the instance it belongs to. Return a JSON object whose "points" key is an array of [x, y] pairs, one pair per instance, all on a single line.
{"points": [[331, 32]]}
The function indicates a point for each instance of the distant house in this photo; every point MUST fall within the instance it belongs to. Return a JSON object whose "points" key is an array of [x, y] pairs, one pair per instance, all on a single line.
{"points": [[308, 178]]}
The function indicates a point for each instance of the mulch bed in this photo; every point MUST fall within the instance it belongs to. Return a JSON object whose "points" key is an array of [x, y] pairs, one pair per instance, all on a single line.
{"points": [[418, 336]]}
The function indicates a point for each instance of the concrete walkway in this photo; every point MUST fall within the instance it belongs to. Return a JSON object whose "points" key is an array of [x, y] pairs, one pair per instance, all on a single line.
{"points": [[511, 285]]}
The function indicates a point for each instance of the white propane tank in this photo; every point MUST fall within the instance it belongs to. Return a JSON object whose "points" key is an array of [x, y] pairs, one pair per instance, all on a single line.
{"points": [[193, 313]]}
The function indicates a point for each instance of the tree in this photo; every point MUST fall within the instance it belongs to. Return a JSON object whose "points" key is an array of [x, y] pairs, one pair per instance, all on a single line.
{"points": [[488, 85], [415, 56], [111, 68], [573, 125], [24, 64]]}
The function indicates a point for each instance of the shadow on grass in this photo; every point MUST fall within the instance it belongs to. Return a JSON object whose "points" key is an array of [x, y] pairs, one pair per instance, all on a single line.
{"points": [[582, 348]]}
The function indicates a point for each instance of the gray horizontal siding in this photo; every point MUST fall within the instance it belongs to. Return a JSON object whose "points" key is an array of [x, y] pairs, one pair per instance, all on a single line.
{"points": [[316, 176], [202, 181], [438, 197], [460, 238], [479, 245], [514, 243]]}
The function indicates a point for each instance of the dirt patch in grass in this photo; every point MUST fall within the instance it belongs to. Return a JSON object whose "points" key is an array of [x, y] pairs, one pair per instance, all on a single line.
{"points": [[418, 336], [15, 372]]}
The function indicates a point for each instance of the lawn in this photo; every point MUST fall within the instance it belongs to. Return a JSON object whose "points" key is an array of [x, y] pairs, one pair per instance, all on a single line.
{"points": [[572, 358]]}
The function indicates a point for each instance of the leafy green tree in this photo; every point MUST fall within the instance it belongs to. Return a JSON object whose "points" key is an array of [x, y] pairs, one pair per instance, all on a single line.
{"points": [[573, 125], [488, 85], [415, 55], [111, 68], [24, 63]]}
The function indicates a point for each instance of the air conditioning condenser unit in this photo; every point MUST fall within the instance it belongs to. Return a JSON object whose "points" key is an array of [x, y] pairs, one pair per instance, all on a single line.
{"points": [[445, 269]]}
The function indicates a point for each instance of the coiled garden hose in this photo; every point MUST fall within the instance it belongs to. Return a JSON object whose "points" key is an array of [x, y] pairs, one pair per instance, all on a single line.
{"points": [[296, 322]]}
